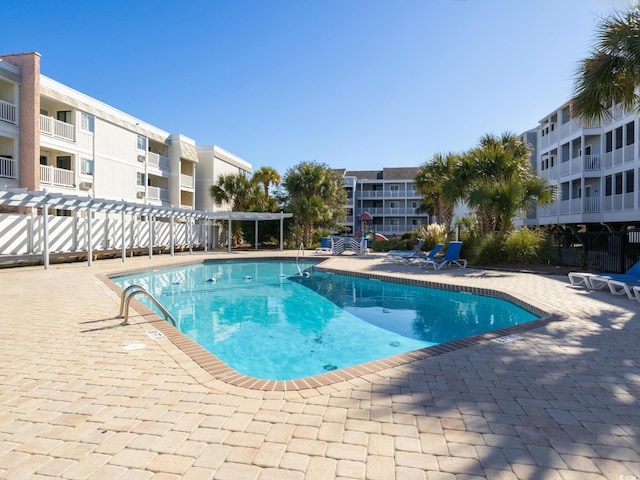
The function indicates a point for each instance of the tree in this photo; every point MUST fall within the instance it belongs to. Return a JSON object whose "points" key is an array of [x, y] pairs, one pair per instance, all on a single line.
{"points": [[433, 180], [233, 189], [237, 191], [315, 196], [611, 74], [266, 176]]}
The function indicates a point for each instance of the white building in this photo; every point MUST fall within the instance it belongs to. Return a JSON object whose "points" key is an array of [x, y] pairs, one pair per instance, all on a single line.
{"points": [[593, 167], [57, 138], [213, 162]]}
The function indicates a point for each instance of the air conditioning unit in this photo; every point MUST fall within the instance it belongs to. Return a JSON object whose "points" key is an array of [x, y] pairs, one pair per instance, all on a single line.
{"points": [[85, 185], [140, 194], [141, 158]]}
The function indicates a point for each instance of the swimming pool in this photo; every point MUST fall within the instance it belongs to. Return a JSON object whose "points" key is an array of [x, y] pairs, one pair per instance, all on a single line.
{"points": [[282, 320]]}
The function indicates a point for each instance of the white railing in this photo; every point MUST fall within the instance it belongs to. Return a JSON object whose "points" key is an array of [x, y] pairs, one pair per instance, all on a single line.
{"points": [[8, 167], [157, 193], [628, 153], [51, 175], [7, 112], [592, 162], [186, 181], [591, 204], [57, 129], [157, 160]]}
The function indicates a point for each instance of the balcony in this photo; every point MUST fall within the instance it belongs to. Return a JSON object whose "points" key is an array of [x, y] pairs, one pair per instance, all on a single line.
{"points": [[186, 181], [580, 164], [8, 112], [50, 175], [57, 129], [8, 167], [387, 193], [158, 194], [158, 161]]}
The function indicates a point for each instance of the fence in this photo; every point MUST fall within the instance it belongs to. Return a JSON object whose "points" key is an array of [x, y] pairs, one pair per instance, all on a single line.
{"points": [[613, 252], [23, 234]]}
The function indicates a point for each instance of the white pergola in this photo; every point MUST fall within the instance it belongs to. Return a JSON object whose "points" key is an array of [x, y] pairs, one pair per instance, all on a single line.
{"points": [[45, 200]]}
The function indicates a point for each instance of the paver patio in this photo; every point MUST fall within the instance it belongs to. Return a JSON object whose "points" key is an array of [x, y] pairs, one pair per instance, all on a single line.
{"points": [[560, 402]]}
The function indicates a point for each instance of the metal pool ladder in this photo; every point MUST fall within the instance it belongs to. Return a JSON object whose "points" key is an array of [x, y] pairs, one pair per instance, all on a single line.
{"points": [[133, 290]]}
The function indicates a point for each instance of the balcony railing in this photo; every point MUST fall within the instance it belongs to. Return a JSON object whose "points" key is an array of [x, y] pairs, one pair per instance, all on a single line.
{"points": [[60, 177], [157, 193], [57, 129], [186, 181], [387, 193], [156, 160], [8, 167], [8, 112]]}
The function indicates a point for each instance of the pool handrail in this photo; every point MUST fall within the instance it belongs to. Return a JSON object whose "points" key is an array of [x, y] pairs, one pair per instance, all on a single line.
{"points": [[133, 290]]}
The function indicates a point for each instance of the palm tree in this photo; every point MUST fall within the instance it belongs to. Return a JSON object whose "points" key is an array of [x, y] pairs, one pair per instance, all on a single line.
{"points": [[503, 199], [266, 176], [611, 74], [433, 180], [316, 197], [233, 189]]}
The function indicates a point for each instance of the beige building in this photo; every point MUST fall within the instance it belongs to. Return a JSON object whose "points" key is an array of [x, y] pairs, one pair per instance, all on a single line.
{"points": [[56, 138]]}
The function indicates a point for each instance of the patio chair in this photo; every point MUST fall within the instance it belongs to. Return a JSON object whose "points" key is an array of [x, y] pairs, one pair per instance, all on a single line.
{"points": [[405, 256], [451, 257], [598, 281]]}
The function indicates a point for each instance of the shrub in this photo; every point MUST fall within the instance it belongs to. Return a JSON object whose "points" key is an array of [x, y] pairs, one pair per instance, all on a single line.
{"points": [[432, 234], [525, 246]]}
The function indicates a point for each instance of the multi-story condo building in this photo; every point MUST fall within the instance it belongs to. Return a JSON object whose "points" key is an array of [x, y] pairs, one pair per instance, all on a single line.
{"points": [[57, 138], [213, 162], [388, 195], [593, 167]]}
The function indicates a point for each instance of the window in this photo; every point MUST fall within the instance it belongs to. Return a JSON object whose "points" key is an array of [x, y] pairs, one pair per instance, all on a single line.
{"points": [[608, 142], [394, 187], [628, 180], [86, 166], [630, 133], [43, 160], [618, 184], [63, 162], [394, 204], [142, 142], [86, 122], [140, 179], [618, 138], [64, 116], [608, 190]]}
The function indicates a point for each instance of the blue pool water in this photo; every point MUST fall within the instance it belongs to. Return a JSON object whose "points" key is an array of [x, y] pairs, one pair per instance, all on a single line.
{"points": [[279, 320]]}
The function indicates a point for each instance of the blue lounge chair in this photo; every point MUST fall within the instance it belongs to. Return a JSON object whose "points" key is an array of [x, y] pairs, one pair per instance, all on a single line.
{"points": [[451, 257], [405, 256], [599, 281], [429, 256]]}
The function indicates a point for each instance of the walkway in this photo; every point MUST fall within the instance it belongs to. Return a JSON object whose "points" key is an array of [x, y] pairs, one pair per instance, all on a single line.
{"points": [[559, 402]]}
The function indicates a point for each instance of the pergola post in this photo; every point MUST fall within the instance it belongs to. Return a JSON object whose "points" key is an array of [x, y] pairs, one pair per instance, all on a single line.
{"points": [[150, 221], [45, 228], [90, 239], [172, 239], [122, 230], [190, 225], [256, 234], [229, 236], [281, 231]]}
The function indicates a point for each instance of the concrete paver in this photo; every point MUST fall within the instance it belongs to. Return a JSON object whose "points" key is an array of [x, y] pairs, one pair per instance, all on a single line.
{"points": [[561, 401]]}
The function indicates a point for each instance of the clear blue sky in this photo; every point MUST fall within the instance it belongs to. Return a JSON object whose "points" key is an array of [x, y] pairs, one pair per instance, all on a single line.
{"points": [[359, 84]]}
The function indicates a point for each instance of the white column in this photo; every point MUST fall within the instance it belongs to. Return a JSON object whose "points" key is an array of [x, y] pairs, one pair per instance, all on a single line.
{"points": [[124, 243], [256, 235], [150, 221], [172, 239], [45, 232], [229, 236], [90, 239], [281, 231]]}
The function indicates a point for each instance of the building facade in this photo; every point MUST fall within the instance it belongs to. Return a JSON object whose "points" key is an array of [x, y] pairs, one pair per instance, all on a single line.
{"points": [[593, 167], [56, 138], [388, 195]]}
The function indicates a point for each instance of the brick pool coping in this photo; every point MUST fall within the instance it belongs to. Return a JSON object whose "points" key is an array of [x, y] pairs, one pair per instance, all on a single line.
{"points": [[223, 372]]}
